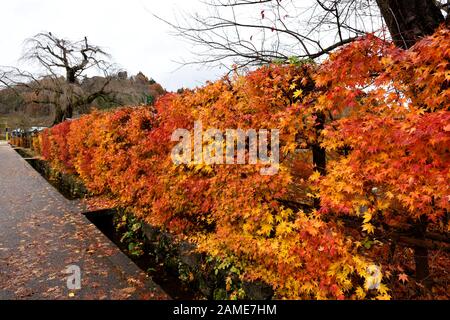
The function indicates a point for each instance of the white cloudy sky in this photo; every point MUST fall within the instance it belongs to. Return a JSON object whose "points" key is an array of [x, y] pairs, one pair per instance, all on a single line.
{"points": [[136, 40]]}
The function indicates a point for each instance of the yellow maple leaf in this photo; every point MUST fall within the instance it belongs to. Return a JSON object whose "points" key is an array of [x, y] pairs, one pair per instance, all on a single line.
{"points": [[360, 294], [283, 228], [368, 227], [315, 176], [298, 93], [367, 217], [265, 229]]}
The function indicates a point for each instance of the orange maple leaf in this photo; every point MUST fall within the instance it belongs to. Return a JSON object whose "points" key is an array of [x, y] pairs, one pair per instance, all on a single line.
{"points": [[403, 277]]}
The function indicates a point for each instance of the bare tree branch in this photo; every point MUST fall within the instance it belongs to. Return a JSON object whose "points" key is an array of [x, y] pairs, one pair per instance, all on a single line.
{"points": [[252, 32]]}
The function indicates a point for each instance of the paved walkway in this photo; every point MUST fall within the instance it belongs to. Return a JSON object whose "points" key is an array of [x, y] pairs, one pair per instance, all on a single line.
{"points": [[41, 233]]}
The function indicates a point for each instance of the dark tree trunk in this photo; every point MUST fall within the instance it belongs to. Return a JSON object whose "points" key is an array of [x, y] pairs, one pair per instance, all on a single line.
{"points": [[70, 76], [62, 114], [410, 20], [421, 254], [319, 153], [68, 112], [319, 159], [421, 261], [59, 115]]}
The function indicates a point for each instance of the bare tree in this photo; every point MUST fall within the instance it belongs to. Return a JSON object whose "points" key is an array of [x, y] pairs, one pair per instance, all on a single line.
{"points": [[64, 65], [254, 32]]}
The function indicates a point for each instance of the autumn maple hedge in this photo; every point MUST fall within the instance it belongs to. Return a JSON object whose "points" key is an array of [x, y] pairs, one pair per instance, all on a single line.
{"points": [[379, 115]]}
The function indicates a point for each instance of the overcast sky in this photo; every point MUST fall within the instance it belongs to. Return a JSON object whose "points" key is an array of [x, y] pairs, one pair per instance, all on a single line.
{"points": [[126, 29]]}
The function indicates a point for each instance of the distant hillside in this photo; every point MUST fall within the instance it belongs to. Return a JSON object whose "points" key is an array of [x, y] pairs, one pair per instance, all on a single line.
{"points": [[20, 110]]}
